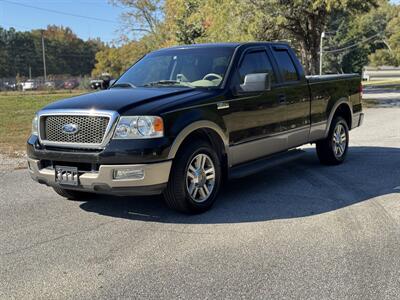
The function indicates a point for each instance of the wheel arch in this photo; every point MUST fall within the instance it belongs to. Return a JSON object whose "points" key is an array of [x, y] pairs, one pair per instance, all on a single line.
{"points": [[207, 130], [343, 108], [197, 128]]}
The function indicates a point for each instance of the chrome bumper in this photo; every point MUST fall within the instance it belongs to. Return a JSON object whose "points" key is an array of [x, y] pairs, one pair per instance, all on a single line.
{"points": [[103, 181]]}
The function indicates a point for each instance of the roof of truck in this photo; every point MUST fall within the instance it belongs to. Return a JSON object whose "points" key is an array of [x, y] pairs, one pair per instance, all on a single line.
{"points": [[217, 45]]}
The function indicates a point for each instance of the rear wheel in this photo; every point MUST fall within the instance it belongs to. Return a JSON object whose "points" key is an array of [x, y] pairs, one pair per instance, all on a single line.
{"points": [[195, 179], [71, 194], [333, 149]]}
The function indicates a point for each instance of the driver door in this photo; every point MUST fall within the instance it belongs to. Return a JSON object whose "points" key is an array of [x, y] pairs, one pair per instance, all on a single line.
{"points": [[256, 119]]}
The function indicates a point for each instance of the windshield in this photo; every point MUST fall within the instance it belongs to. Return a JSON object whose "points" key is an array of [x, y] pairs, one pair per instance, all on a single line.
{"points": [[190, 67]]}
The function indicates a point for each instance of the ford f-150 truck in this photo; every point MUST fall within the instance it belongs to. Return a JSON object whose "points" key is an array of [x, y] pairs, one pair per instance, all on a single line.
{"points": [[182, 120]]}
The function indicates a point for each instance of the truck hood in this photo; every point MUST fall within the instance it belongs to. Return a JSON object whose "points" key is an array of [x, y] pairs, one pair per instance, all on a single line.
{"points": [[123, 99]]}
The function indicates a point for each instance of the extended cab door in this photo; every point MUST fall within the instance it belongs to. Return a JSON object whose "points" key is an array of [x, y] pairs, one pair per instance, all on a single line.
{"points": [[255, 119], [294, 89]]}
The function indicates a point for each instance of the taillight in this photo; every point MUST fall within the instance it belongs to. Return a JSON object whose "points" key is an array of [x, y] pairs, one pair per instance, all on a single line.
{"points": [[360, 90]]}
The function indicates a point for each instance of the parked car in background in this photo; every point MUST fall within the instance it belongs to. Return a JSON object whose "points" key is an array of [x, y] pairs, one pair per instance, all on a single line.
{"points": [[50, 84], [103, 83], [96, 84], [10, 86], [71, 84], [182, 120], [29, 85]]}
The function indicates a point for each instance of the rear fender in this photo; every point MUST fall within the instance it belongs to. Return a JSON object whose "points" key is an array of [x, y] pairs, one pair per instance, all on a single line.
{"points": [[334, 110]]}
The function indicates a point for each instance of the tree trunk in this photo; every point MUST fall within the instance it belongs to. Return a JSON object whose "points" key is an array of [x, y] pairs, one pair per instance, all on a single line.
{"points": [[314, 61], [309, 57], [316, 25]]}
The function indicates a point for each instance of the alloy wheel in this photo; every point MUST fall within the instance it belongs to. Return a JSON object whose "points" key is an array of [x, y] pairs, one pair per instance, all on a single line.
{"points": [[200, 178]]}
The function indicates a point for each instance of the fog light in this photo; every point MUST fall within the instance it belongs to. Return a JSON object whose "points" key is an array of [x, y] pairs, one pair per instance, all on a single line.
{"points": [[136, 174]]}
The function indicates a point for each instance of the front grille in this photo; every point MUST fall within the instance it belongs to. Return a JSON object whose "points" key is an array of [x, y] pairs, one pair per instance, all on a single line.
{"points": [[91, 129]]}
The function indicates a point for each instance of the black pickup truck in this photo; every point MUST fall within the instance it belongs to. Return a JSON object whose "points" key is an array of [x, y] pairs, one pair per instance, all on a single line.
{"points": [[182, 120]]}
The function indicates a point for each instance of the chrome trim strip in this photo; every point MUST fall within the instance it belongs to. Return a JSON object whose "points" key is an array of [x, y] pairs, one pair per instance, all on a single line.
{"points": [[255, 149], [248, 151], [317, 131], [113, 115]]}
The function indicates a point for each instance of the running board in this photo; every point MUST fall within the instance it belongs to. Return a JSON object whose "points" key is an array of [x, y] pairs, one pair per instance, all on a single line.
{"points": [[264, 163]]}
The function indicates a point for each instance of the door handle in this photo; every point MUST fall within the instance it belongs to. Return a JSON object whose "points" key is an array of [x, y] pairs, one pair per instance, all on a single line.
{"points": [[282, 99]]}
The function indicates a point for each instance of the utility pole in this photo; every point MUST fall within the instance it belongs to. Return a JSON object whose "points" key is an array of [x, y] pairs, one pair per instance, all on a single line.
{"points": [[321, 50], [30, 72], [44, 57]]}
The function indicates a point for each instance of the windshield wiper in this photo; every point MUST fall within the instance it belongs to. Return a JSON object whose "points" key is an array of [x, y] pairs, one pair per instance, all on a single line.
{"points": [[123, 85], [167, 82]]}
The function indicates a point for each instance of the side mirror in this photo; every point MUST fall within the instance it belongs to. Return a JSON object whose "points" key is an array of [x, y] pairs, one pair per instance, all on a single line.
{"points": [[258, 82]]}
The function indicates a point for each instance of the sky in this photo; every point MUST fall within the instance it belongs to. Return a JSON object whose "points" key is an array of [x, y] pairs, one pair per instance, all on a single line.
{"points": [[18, 14]]}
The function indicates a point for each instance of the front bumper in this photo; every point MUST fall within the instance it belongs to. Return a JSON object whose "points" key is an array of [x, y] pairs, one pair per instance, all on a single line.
{"points": [[102, 181]]}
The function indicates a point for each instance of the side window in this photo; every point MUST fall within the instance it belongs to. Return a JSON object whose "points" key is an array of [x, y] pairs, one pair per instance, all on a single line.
{"points": [[255, 62], [286, 65]]}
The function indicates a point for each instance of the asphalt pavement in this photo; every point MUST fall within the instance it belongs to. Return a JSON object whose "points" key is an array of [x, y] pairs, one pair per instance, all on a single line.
{"points": [[300, 230], [382, 96]]}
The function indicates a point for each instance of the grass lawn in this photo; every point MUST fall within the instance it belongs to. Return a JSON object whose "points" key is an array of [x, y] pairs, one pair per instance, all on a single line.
{"points": [[16, 112]]}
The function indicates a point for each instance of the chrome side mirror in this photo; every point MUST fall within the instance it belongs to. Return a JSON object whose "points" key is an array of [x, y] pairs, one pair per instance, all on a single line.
{"points": [[258, 82]]}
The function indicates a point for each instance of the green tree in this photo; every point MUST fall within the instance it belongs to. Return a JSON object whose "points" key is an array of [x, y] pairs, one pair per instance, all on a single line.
{"points": [[302, 22], [390, 53], [65, 52], [141, 16], [188, 29], [357, 37], [116, 60], [4, 58]]}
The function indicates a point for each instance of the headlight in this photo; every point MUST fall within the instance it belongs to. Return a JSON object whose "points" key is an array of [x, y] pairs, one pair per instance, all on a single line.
{"points": [[35, 125], [137, 127]]}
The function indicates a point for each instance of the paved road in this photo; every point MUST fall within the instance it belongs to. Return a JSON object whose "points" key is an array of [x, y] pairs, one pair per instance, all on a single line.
{"points": [[382, 97], [300, 230]]}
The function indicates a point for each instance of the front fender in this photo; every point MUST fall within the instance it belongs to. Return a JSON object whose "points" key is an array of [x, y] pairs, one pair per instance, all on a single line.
{"points": [[181, 124]]}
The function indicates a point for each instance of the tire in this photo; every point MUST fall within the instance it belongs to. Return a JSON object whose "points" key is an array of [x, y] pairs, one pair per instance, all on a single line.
{"points": [[187, 176], [333, 149], [71, 194]]}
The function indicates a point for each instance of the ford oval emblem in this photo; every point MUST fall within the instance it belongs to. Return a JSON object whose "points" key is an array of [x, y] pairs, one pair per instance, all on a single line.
{"points": [[70, 128]]}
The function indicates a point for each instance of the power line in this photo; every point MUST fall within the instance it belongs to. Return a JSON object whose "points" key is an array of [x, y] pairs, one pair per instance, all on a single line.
{"points": [[60, 12], [353, 45]]}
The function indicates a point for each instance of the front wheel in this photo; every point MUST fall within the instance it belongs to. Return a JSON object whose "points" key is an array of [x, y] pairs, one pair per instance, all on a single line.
{"points": [[333, 149], [195, 179]]}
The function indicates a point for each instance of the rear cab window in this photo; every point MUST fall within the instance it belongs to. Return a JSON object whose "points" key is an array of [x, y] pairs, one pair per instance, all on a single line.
{"points": [[286, 64]]}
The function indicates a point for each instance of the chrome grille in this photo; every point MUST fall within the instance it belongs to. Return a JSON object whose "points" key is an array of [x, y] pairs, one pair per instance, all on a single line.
{"points": [[92, 129]]}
